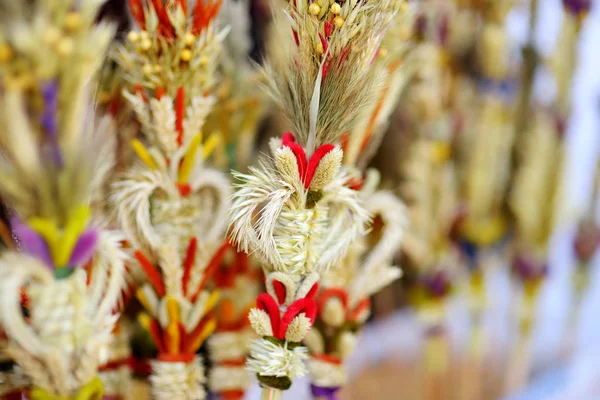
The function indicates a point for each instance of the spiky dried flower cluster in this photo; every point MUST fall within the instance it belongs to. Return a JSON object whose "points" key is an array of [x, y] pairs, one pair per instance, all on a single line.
{"points": [[170, 193], [324, 82], [42, 41], [174, 46], [311, 217], [56, 157], [396, 63], [60, 346]]}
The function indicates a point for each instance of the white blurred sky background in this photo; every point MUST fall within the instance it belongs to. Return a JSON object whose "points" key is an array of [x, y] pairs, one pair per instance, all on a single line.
{"points": [[556, 378]]}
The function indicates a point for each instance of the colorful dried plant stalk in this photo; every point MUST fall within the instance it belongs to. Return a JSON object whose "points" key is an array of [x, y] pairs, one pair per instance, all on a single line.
{"points": [[343, 301], [587, 238], [535, 197], [485, 142], [171, 206], [178, 317], [170, 192], [236, 118], [585, 247], [586, 242], [60, 286], [312, 215], [239, 280], [429, 188], [483, 115]]}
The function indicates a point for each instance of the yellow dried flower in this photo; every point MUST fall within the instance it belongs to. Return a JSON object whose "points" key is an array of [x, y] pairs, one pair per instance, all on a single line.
{"points": [[338, 21], [65, 46], [146, 44], [133, 36], [147, 69], [5, 53], [52, 35], [335, 8], [319, 48], [185, 55], [314, 9], [189, 39], [72, 21]]}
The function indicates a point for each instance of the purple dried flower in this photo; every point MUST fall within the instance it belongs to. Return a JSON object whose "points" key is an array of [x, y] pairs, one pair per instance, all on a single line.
{"points": [[586, 241], [84, 248], [525, 268], [421, 26], [438, 284], [32, 242], [577, 7], [444, 30], [48, 120]]}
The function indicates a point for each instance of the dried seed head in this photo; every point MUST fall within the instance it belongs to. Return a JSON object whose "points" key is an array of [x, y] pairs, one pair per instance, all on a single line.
{"points": [[72, 21], [145, 44], [185, 55], [189, 39], [133, 36], [314, 9]]}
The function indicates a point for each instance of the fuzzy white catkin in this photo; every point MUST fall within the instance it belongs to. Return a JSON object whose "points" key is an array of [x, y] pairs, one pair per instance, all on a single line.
{"points": [[178, 380]]}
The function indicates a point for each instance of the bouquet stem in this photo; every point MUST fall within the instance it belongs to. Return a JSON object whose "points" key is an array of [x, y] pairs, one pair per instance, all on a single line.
{"points": [[436, 361], [473, 367], [269, 393], [519, 364]]}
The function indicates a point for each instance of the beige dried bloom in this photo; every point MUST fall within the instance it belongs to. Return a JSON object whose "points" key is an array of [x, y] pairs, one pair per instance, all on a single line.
{"points": [[259, 320], [298, 328]]}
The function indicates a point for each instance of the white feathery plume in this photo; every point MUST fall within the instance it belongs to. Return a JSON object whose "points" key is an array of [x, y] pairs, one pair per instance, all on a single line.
{"points": [[269, 359]]}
